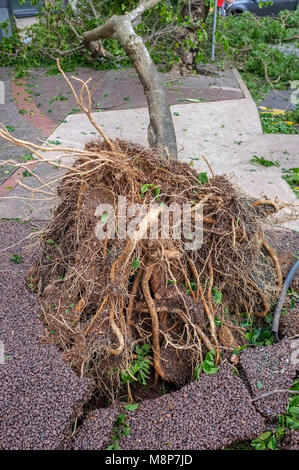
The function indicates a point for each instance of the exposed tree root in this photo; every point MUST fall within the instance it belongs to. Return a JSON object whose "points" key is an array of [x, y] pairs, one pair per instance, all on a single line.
{"points": [[102, 296], [155, 321], [273, 255]]}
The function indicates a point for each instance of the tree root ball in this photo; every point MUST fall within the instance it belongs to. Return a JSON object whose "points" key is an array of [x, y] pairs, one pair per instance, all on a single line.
{"points": [[103, 297]]}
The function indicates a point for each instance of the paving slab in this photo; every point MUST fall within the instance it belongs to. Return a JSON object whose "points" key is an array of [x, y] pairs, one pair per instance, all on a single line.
{"points": [[39, 399], [267, 369], [210, 414]]}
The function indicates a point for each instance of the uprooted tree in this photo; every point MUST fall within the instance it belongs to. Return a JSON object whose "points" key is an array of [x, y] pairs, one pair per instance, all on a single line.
{"points": [[104, 297]]}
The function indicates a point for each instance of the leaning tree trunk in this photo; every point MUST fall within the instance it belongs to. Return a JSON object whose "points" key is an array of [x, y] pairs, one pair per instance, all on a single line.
{"points": [[161, 132]]}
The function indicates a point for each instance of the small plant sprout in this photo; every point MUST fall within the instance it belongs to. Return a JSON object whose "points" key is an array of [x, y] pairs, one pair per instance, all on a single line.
{"points": [[16, 259]]}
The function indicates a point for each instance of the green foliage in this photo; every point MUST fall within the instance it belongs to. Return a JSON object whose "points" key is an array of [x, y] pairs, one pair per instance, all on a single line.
{"points": [[52, 33], [193, 286], [135, 264], [217, 295], [208, 366], [247, 42], [266, 441], [290, 420], [291, 176], [202, 178], [145, 187], [277, 124], [256, 334], [120, 428], [243, 41], [16, 259], [131, 406], [139, 369], [263, 161], [293, 115]]}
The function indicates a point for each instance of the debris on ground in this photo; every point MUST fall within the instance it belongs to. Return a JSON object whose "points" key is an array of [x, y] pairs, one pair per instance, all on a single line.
{"points": [[103, 294], [150, 290]]}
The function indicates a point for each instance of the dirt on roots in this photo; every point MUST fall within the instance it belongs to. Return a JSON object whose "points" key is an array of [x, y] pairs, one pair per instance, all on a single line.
{"points": [[102, 297]]}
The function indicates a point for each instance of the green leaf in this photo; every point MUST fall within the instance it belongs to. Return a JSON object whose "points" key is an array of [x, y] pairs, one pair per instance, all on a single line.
{"points": [[193, 100], [104, 217], [259, 385], [272, 443], [265, 436], [16, 259], [145, 187], [217, 295], [10, 128], [135, 264], [131, 407], [27, 157], [203, 178]]}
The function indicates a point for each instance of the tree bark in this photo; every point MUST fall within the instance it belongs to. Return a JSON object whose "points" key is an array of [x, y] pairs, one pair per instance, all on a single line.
{"points": [[161, 134]]}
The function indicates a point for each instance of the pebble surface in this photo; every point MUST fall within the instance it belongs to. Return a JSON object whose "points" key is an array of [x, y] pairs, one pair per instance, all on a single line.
{"points": [[39, 399], [96, 432], [210, 414], [267, 369], [39, 395]]}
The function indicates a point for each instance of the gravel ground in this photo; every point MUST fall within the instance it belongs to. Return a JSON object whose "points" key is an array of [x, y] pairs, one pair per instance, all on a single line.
{"points": [[210, 414], [291, 440], [96, 432], [18, 304], [39, 395], [39, 399], [289, 321], [286, 245], [267, 369]]}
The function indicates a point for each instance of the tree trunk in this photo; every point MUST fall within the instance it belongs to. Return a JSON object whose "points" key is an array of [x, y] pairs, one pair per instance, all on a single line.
{"points": [[161, 134], [196, 10]]}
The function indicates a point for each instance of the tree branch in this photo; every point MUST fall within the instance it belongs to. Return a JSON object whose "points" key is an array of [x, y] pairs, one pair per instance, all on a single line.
{"points": [[93, 9]]}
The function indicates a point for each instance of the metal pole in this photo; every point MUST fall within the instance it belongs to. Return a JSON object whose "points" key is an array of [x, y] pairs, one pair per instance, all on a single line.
{"points": [[214, 30]]}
